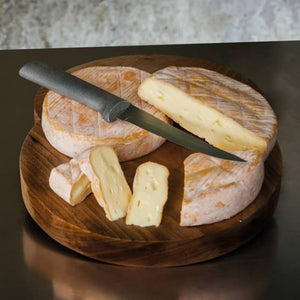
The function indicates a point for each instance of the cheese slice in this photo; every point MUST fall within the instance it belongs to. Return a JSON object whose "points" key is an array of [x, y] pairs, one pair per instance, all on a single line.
{"points": [[101, 165], [226, 113], [68, 182], [72, 128], [150, 193], [217, 189]]}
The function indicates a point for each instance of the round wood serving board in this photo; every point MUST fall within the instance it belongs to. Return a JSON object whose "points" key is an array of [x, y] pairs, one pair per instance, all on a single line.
{"points": [[85, 229]]}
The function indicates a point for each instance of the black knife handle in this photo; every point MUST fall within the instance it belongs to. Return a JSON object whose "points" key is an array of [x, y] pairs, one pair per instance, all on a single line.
{"points": [[61, 82]]}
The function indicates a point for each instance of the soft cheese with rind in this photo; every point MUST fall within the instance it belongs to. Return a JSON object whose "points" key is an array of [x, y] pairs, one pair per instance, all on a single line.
{"points": [[68, 181], [227, 113], [72, 128], [150, 193], [217, 189], [109, 186]]}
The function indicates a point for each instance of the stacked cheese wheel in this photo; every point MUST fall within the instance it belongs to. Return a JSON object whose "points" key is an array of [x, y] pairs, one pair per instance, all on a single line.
{"points": [[226, 113]]}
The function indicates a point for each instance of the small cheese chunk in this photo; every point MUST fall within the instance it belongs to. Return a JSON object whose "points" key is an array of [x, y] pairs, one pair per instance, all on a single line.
{"points": [[150, 193], [226, 113], [217, 189], [69, 182], [101, 165]]}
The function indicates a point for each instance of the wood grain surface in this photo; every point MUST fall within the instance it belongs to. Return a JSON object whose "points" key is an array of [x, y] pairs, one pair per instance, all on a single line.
{"points": [[85, 229]]}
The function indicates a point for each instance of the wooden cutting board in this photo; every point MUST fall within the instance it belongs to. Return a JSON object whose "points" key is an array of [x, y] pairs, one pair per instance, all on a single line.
{"points": [[85, 229]]}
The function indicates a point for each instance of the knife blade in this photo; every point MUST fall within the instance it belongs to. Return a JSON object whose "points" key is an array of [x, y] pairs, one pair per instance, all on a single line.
{"points": [[112, 107]]}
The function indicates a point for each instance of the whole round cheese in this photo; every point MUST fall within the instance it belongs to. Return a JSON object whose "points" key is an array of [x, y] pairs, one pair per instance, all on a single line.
{"points": [[71, 127]]}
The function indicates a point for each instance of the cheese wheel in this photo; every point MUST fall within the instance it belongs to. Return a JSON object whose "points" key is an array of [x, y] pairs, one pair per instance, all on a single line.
{"points": [[68, 181], [71, 127], [109, 186], [217, 189], [150, 193], [226, 113]]}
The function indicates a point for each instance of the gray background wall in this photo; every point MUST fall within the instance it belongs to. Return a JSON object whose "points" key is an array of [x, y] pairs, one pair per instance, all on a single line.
{"points": [[80, 23]]}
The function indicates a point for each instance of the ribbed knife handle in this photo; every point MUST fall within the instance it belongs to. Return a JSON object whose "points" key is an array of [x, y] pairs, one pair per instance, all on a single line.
{"points": [[61, 82]]}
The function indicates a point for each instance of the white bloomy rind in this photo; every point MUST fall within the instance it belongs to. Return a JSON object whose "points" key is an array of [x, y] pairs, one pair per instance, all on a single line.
{"points": [[68, 182], [109, 186], [150, 193], [217, 189]]}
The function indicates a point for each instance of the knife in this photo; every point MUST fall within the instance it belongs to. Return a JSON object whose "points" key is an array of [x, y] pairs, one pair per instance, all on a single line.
{"points": [[112, 107]]}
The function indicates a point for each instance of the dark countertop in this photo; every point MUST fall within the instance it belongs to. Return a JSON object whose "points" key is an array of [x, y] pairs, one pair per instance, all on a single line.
{"points": [[33, 266]]}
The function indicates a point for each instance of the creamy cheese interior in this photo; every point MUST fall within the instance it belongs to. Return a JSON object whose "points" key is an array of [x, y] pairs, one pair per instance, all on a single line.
{"points": [[114, 187], [80, 190], [198, 118], [149, 195]]}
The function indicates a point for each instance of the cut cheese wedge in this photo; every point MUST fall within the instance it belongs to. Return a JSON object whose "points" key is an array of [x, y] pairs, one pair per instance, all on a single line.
{"points": [[216, 189], [227, 113], [101, 165], [150, 193], [72, 128], [67, 181]]}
